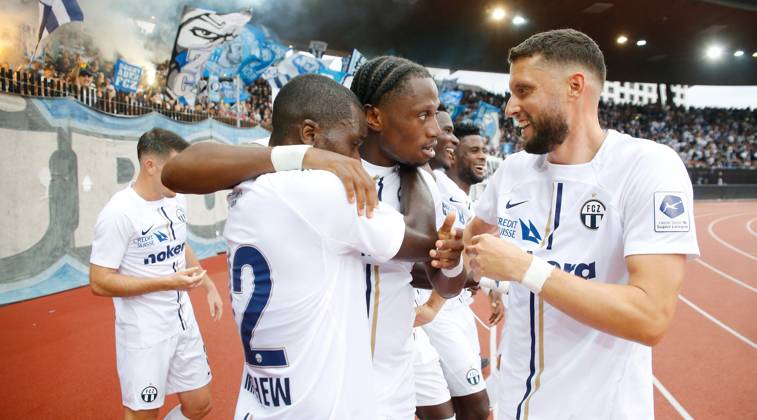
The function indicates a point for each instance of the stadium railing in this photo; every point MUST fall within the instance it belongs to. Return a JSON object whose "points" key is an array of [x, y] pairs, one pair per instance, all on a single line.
{"points": [[35, 85]]}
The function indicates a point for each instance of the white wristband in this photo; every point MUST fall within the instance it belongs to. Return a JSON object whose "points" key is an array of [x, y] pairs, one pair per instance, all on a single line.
{"points": [[288, 158], [453, 272], [538, 273], [498, 286]]}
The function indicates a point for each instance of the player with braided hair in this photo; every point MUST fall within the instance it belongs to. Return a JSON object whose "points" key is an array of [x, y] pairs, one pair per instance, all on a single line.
{"points": [[400, 101]]}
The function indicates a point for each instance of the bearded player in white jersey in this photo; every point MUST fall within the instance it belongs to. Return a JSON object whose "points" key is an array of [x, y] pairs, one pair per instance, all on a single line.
{"points": [[593, 227], [140, 257]]}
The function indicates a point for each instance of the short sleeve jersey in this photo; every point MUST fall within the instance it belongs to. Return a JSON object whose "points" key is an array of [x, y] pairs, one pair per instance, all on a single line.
{"points": [[144, 239], [298, 295], [633, 197]]}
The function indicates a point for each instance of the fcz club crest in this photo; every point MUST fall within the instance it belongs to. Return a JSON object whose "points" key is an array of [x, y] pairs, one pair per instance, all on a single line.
{"points": [[592, 213]]}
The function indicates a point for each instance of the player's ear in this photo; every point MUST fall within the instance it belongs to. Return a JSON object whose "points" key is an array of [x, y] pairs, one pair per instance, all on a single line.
{"points": [[148, 164], [372, 117], [308, 130], [576, 84]]}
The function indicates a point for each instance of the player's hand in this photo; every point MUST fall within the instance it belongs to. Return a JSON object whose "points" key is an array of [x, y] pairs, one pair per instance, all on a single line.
{"points": [[186, 279], [449, 245], [359, 185], [497, 308], [214, 303], [489, 256]]}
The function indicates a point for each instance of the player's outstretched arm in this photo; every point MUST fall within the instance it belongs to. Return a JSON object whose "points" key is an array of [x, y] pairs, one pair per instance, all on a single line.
{"points": [[106, 281], [215, 303], [640, 311], [207, 167]]}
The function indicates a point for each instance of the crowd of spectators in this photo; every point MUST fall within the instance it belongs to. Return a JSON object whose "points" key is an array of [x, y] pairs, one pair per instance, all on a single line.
{"points": [[90, 80], [703, 137], [712, 138]]}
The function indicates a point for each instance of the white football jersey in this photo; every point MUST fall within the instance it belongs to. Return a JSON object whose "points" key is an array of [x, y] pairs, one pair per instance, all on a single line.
{"points": [[142, 239], [391, 309], [634, 197], [298, 295], [454, 199]]}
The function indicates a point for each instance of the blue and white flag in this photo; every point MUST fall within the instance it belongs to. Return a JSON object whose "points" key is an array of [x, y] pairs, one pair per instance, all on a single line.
{"points": [[487, 119], [126, 76], [450, 99], [352, 65], [54, 13], [248, 55], [297, 64]]}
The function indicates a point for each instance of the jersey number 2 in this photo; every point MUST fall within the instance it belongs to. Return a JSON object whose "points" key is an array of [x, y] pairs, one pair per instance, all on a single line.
{"points": [[247, 256]]}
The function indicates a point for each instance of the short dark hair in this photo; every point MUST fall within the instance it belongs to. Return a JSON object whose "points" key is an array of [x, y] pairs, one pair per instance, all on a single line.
{"points": [[160, 142], [384, 76], [466, 128], [562, 46], [315, 97]]}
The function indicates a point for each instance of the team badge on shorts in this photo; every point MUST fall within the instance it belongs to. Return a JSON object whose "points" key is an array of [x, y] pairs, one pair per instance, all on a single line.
{"points": [[473, 376], [592, 213], [149, 394]]}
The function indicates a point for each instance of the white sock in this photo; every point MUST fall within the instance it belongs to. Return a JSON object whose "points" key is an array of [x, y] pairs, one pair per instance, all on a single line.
{"points": [[175, 414]]}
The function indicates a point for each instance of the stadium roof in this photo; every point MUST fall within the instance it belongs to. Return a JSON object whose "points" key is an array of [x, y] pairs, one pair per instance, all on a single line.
{"points": [[460, 35]]}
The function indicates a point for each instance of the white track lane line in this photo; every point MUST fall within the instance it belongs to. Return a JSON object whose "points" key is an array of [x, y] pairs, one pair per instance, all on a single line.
{"points": [[749, 226], [672, 400], [719, 272], [724, 243], [720, 324], [726, 276]]}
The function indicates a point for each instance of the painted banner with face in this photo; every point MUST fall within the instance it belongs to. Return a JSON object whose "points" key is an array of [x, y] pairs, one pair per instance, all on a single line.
{"points": [[200, 33]]}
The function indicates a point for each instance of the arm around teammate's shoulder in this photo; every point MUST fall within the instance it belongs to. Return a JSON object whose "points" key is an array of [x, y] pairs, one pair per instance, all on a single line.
{"points": [[207, 167], [319, 199]]}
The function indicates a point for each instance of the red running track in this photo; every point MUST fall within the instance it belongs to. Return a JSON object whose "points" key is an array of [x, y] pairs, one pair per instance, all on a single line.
{"points": [[59, 360]]}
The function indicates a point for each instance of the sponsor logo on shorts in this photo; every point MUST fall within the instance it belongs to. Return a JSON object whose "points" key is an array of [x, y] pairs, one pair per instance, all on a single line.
{"points": [[149, 394], [473, 376]]}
